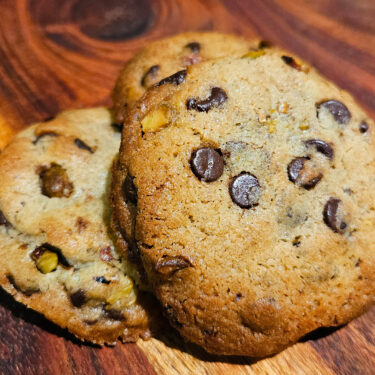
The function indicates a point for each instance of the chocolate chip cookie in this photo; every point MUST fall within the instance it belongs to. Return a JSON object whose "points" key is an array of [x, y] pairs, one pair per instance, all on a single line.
{"points": [[249, 184], [164, 57], [56, 253]]}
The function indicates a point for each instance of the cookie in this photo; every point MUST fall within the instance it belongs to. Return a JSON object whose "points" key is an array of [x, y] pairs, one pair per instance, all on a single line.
{"points": [[56, 252], [164, 57], [250, 189]]}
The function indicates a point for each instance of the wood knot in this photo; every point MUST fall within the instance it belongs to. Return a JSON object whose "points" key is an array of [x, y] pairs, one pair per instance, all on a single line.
{"points": [[112, 19]]}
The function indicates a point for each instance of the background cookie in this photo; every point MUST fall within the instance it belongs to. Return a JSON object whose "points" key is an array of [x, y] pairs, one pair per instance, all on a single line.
{"points": [[56, 255], [254, 221], [164, 57]]}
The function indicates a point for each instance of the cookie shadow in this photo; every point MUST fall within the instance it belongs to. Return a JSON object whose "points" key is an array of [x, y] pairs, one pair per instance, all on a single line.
{"points": [[29, 316], [170, 337], [320, 333]]}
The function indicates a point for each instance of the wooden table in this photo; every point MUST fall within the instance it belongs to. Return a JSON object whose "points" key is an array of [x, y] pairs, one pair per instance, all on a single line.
{"points": [[58, 54]]}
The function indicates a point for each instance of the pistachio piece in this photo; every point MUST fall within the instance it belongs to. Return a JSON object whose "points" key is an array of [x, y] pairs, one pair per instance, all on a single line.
{"points": [[46, 261], [254, 54], [121, 296], [155, 120]]}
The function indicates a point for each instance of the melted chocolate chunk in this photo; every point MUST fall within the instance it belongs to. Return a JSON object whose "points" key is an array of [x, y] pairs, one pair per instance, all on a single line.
{"points": [[194, 47], [78, 298], [55, 182], [217, 97], [291, 62], [295, 174], [102, 279], [129, 190], [330, 215], [3, 220], [168, 265], [363, 127], [322, 147], [117, 127], [45, 134], [245, 190], [83, 145], [339, 111], [150, 74], [114, 314], [175, 79], [207, 164]]}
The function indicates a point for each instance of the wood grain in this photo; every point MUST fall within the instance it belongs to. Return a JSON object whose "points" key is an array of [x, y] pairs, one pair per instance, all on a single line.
{"points": [[58, 54]]}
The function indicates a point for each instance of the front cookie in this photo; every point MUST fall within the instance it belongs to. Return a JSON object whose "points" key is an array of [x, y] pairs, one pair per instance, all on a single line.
{"points": [[252, 202]]}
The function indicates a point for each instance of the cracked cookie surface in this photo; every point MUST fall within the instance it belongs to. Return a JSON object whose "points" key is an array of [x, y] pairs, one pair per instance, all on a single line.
{"points": [[251, 202], [162, 58], [57, 255]]}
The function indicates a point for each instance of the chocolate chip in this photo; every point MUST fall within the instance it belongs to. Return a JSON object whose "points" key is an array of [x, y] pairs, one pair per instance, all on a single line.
{"points": [[78, 298], [207, 164], [150, 75], [296, 175], [321, 146], [168, 265], [117, 127], [194, 47], [291, 62], [129, 190], [339, 111], [217, 97], [363, 127], [55, 182], [245, 190], [4, 221], [264, 44], [295, 167], [101, 279], [44, 134], [83, 145], [297, 241], [175, 79], [46, 246], [309, 184], [331, 217], [114, 314]]}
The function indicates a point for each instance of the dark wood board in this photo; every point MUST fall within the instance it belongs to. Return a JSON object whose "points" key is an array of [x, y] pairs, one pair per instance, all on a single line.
{"points": [[59, 54]]}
